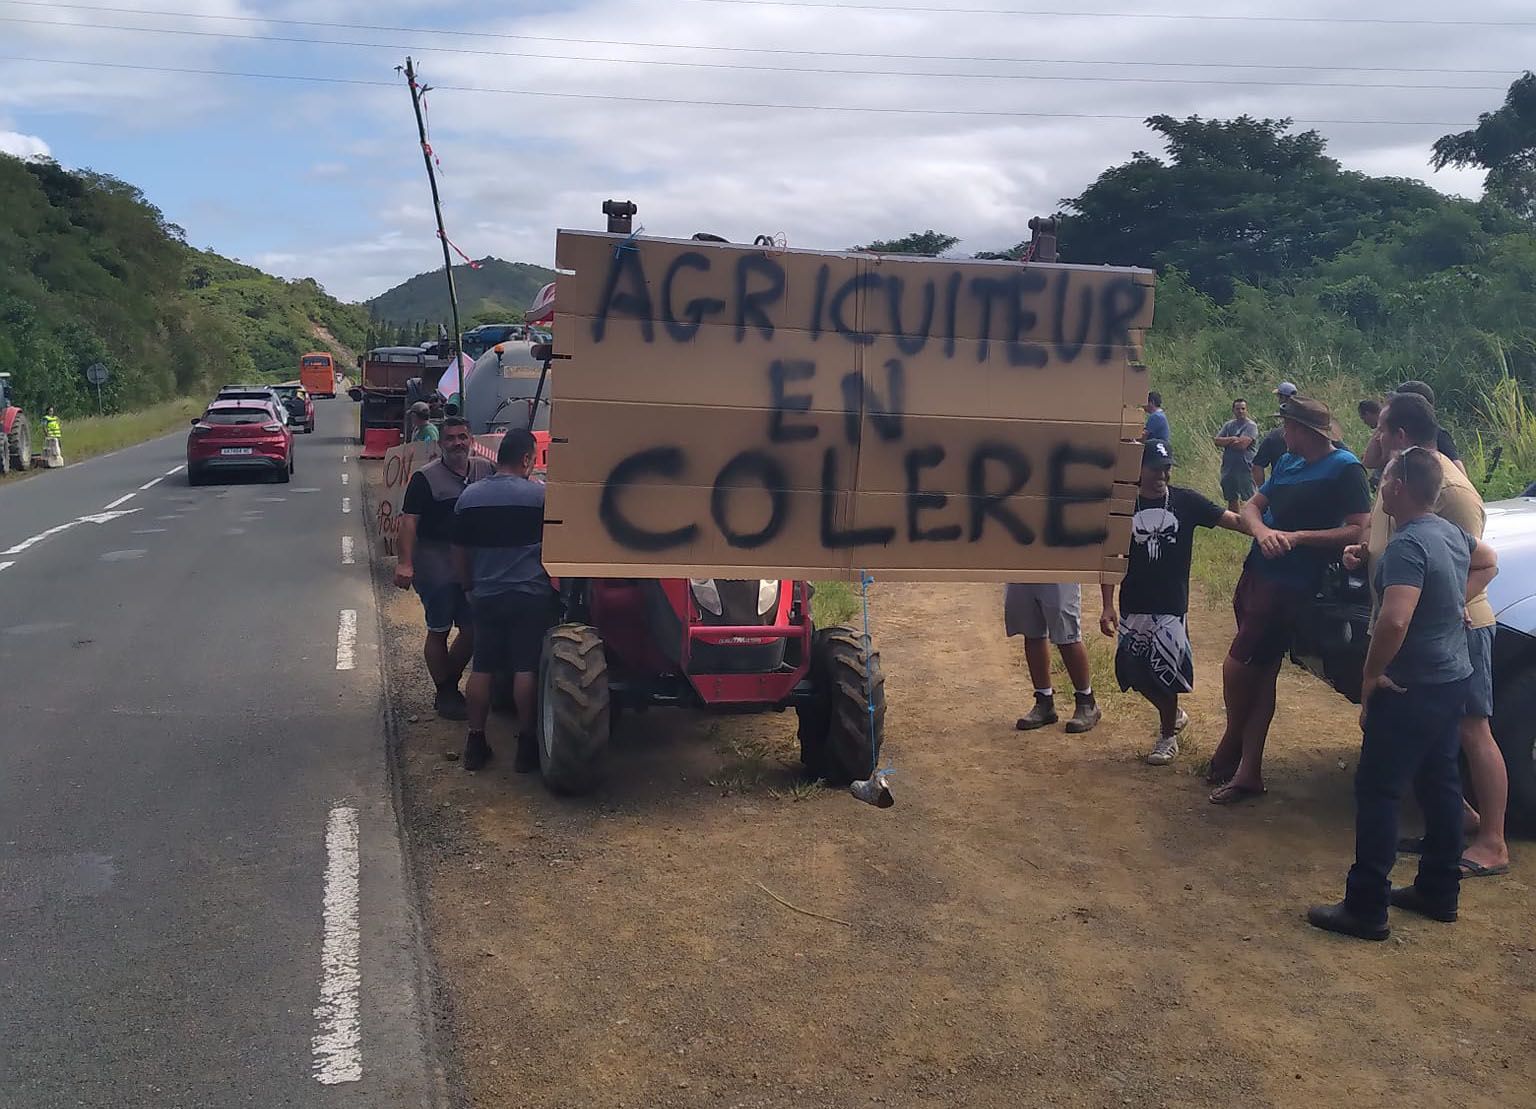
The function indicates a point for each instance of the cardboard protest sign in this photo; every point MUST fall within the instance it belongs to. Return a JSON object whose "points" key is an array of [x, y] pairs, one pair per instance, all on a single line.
{"points": [[399, 464], [748, 411]]}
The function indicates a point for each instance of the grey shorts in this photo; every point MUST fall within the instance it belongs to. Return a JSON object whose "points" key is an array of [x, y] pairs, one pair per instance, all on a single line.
{"points": [[1237, 486], [1480, 684], [1051, 612]]}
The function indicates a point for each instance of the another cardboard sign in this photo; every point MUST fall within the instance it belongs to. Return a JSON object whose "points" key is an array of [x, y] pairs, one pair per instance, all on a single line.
{"points": [[748, 411], [399, 464]]}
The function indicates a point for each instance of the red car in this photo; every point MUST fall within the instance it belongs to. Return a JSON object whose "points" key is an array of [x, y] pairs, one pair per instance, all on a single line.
{"points": [[239, 436]]}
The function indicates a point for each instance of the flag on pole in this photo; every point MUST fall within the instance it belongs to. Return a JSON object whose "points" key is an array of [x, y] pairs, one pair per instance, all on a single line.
{"points": [[455, 377]]}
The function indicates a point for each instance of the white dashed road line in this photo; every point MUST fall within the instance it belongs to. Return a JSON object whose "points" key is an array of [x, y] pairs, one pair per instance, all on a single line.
{"points": [[151, 484], [174, 470], [344, 479], [346, 504], [6, 565], [347, 558], [337, 1042], [38, 538], [346, 640], [124, 499]]}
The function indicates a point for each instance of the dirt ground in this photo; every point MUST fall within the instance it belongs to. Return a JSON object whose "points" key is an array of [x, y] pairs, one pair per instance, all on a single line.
{"points": [[1041, 919]]}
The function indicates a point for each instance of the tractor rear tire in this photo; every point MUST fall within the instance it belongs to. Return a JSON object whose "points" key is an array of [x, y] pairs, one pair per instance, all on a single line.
{"points": [[19, 446], [574, 708], [837, 743]]}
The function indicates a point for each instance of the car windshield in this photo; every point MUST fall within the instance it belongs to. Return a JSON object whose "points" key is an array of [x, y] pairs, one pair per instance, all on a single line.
{"points": [[287, 391], [245, 394], [227, 416]]}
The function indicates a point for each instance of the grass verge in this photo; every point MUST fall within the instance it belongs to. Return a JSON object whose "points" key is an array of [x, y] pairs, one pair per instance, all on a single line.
{"points": [[100, 434]]}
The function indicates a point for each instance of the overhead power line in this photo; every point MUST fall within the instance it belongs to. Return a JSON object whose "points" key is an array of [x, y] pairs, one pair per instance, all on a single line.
{"points": [[611, 97], [746, 67], [889, 9], [882, 56]]}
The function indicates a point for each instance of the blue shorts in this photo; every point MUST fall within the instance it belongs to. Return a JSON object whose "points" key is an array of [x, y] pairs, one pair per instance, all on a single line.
{"points": [[445, 606], [1480, 685]]}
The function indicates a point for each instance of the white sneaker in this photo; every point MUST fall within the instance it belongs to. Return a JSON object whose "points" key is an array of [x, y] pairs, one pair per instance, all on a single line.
{"points": [[1165, 751], [1180, 722]]}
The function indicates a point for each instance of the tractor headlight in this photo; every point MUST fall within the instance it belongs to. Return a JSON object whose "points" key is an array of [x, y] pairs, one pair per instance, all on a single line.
{"points": [[706, 595], [767, 595]]}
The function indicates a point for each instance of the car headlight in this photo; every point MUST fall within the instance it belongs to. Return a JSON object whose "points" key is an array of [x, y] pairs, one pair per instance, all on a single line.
{"points": [[767, 595], [707, 596]]}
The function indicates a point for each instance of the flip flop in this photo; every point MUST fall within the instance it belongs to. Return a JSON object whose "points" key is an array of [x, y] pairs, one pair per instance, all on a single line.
{"points": [[1470, 869], [1231, 794], [1214, 777]]}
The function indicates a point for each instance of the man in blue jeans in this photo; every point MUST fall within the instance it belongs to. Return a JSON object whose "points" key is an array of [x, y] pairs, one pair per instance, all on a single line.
{"points": [[1412, 698]]}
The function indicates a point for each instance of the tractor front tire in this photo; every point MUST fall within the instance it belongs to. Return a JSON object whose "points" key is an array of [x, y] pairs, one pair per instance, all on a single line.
{"points": [[839, 743], [574, 708]]}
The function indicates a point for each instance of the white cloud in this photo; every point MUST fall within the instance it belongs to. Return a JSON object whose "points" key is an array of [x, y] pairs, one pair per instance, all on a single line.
{"points": [[23, 146]]}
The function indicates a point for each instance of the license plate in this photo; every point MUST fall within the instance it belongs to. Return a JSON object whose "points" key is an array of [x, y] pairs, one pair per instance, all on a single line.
{"points": [[236, 450]]}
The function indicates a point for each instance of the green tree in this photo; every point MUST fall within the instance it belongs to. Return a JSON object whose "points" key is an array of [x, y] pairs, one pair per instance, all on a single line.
{"points": [[932, 243], [1503, 143], [1236, 201]]}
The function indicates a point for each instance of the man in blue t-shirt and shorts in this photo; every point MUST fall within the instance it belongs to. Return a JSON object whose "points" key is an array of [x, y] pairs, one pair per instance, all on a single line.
{"points": [[1315, 503]]}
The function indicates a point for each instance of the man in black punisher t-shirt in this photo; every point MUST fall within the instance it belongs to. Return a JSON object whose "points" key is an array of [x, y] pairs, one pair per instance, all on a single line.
{"points": [[1153, 655]]}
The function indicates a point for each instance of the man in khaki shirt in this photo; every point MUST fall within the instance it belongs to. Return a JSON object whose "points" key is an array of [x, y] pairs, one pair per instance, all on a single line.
{"points": [[1409, 421]]}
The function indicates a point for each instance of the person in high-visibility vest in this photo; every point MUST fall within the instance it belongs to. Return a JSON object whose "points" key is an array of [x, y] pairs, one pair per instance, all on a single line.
{"points": [[53, 438]]}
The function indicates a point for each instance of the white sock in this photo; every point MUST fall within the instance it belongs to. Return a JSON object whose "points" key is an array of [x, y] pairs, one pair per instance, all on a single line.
{"points": [[1085, 692], [1046, 692]]}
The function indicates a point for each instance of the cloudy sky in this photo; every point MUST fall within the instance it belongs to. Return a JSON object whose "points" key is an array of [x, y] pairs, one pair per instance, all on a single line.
{"points": [[970, 121]]}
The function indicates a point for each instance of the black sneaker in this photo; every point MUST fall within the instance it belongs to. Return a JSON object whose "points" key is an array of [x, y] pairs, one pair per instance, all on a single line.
{"points": [[527, 758], [1411, 899], [450, 704], [477, 752], [1042, 715], [1338, 918]]}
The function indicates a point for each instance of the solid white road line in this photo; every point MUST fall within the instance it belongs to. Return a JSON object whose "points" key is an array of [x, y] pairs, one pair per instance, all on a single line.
{"points": [[346, 504], [337, 1042], [344, 479], [346, 640], [151, 484], [38, 538], [174, 470], [347, 558], [124, 499]]}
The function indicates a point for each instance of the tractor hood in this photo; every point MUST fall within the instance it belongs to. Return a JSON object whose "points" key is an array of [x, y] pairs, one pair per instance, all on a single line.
{"points": [[1511, 531]]}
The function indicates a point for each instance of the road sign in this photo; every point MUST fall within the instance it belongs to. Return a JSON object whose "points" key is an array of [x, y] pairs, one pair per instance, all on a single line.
{"points": [[96, 374]]}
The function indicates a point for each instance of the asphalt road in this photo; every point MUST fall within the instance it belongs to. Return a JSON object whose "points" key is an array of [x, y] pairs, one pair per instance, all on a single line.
{"points": [[202, 891]]}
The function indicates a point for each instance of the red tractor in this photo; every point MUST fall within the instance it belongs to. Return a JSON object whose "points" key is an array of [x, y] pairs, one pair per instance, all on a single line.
{"points": [[15, 432], [705, 644]]}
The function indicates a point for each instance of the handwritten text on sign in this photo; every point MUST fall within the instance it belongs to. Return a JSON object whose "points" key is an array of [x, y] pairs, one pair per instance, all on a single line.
{"points": [[731, 409]]}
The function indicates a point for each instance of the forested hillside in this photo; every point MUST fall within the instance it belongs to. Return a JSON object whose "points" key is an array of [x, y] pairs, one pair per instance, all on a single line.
{"points": [[493, 291], [92, 272]]}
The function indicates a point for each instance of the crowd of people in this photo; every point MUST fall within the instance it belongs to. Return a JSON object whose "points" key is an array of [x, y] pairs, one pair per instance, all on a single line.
{"points": [[1408, 518], [470, 536]]}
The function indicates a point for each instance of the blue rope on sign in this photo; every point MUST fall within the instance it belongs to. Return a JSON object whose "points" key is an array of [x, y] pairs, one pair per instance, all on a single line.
{"points": [[866, 579], [628, 243]]}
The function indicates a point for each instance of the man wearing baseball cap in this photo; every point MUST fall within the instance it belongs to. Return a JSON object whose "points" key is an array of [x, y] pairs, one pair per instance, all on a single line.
{"points": [[1376, 453], [1153, 655], [1272, 446], [423, 430], [1317, 502]]}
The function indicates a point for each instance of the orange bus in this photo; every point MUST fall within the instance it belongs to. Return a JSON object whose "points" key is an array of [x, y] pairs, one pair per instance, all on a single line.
{"points": [[317, 373]]}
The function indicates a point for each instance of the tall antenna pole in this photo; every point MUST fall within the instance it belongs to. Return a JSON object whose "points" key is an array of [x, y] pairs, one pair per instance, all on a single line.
{"points": [[442, 232]]}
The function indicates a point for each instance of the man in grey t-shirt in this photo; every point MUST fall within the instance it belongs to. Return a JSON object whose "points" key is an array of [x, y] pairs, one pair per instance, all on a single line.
{"points": [[1413, 694], [1238, 440]]}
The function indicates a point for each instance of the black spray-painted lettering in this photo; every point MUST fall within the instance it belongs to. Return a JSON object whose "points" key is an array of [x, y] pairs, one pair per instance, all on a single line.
{"points": [[910, 342], [1022, 320], [667, 462], [951, 311], [634, 301], [781, 373], [1062, 496], [860, 396], [1068, 349], [851, 288], [985, 501], [696, 309], [746, 470], [819, 302], [833, 536], [752, 306], [986, 290], [1122, 302], [925, 500]]}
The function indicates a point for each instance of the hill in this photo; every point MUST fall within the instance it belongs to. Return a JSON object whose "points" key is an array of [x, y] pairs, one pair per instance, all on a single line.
{"points": [[90, 271], [497, 292]]}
